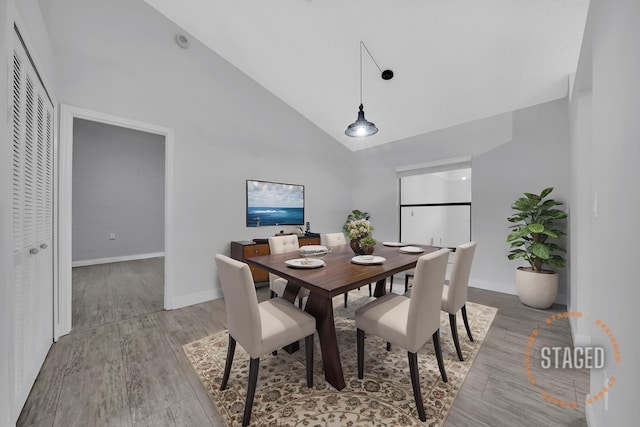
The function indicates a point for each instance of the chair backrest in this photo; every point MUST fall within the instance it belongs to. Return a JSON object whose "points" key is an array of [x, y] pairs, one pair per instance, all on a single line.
{"points": [[282, 245], [459, 280], [335, 239], [241, 303], [426, 294]]}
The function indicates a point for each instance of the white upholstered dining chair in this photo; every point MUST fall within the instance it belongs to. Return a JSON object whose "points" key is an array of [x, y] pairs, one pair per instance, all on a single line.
{"points": [[260, 328], [338, 239], [281, 245], [335, 239], [408, 322], [454, 292]]}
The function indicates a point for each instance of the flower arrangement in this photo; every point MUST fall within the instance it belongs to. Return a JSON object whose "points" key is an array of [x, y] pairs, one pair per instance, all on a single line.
{"points": [[358, 228]]}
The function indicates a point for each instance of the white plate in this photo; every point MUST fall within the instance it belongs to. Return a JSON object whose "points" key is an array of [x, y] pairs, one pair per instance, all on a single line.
{"points": [[411, 250], [394, 244], [311, 250], [364, 260], [304, 263]]}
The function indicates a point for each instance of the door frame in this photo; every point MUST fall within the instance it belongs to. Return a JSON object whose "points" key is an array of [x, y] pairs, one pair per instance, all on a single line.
{"points": [[63, 292]]}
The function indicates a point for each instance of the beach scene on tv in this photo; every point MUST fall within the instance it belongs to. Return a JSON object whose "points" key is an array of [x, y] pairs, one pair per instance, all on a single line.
{"points": [[273, 203]]}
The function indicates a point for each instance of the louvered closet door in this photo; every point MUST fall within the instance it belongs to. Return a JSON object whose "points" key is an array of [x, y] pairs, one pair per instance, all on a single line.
{"points": [[33, 122]]}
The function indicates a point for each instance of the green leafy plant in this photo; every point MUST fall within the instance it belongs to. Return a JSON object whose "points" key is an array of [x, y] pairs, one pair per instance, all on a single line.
{"points": [[368, 241], [534, 229]]}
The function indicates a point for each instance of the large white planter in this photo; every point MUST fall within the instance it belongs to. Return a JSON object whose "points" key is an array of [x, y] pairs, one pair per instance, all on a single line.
{"points": [[537, 290]]}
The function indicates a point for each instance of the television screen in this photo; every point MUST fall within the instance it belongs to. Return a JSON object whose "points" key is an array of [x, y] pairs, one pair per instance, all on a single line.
{"points": [[274, 203]]}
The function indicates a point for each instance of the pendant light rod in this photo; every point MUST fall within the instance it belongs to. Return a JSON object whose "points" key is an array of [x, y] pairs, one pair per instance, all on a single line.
{"points": [[362, 127], [386, 74], [372, 58]]}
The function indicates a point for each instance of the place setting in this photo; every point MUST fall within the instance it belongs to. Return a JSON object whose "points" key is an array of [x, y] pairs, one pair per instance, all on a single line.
{"points": [[311, 257], [411, 250], [404, 248], [368, 259]]}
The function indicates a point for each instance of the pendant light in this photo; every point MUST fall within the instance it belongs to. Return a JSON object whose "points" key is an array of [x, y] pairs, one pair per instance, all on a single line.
{"points": [[362, 127]]}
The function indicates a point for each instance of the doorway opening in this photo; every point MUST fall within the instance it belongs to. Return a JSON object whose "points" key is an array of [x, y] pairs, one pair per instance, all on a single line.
{"points": [[108, 243], [118, 223]]}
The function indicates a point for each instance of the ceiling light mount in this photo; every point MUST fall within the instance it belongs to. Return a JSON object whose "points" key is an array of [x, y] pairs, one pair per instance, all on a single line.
{"points": [[361, 127], [182, 41]]}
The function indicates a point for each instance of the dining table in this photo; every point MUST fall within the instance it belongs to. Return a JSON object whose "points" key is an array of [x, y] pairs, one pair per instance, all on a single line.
{"points": [[339, 273]]}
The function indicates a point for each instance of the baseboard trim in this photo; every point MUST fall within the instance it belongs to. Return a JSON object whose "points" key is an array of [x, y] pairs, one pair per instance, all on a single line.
{"points": [[489, 285], [191, 299], [85, 262], [579, 340]]}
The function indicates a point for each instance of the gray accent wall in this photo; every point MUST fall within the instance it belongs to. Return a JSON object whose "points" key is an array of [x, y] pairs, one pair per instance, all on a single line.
{"points": [[118, 188]]}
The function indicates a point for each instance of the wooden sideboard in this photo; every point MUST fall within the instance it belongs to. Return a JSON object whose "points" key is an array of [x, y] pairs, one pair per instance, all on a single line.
{"points": [[241, 250]]}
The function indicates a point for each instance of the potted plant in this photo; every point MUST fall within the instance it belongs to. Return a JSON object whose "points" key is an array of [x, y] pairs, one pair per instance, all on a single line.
{"points": [[368, 245], [355, 214], [532, 239], [356, 230]]}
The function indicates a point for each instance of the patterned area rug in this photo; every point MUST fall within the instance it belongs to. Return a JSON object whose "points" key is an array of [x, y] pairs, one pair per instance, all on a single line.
{"points": [[384, 396]]}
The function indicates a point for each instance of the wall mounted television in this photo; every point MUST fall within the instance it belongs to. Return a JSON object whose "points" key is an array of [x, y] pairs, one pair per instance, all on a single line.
{"points": [[274, 203]]}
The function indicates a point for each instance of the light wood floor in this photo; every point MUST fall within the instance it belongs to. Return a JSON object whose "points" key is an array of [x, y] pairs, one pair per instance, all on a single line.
{"points": [[123, 364]]}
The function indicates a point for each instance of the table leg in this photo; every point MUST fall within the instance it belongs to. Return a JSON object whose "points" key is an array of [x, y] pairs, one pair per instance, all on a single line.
{"points": [[322, 309], [290, 294], [380, 288]]}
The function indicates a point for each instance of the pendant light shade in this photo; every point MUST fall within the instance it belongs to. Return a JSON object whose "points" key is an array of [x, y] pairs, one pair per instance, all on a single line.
{"points": [[361, 127]]}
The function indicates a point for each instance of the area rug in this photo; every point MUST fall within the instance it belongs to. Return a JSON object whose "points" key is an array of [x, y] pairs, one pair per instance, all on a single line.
{"points": [[384, 396]]}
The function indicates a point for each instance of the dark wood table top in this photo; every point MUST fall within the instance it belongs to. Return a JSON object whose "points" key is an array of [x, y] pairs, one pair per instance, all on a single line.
{"points": [[339, 275]]}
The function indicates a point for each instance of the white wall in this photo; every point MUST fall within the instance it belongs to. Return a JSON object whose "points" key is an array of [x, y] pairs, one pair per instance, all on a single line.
{"points": [[580, 210], [118, 187], [536, 158], [119, 58], [537, 137], [606, 130], [375, 187]]}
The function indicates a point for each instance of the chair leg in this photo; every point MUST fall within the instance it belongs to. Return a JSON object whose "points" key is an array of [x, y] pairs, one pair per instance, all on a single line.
{"points": [[254, 364], [388, 346], [415, 382], [454, 334], [370, 293], [466, 322], [231, 349], [360, 345], [300, 303], [308, 344], [272, 294], [438, 351], [345, 299], [406, 283]]}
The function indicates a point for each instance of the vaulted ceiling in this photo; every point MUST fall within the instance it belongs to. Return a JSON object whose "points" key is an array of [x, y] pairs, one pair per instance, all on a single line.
{"points": [[454, 61]]}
